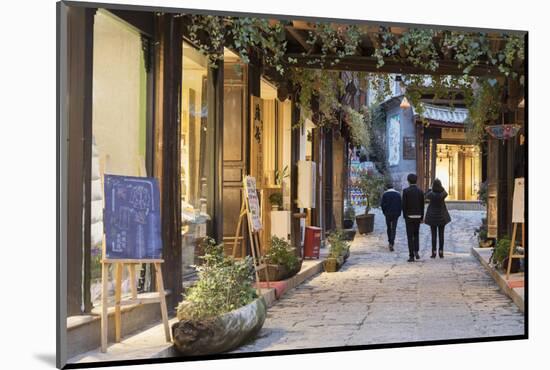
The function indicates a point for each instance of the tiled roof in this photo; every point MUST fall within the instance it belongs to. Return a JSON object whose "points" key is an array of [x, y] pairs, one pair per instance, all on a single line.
{"points": [[444, 114]]}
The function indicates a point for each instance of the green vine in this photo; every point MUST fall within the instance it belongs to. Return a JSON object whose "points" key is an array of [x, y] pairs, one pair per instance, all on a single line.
{"points": [[358, 126], [484, 107], [242, 35]]}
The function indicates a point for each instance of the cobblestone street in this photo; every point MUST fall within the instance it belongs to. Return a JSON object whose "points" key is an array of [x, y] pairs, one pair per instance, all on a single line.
{"points": [[378, 297]]}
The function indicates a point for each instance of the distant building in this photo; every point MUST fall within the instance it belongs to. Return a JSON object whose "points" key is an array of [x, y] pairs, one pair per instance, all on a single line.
{"points": [[432, 145]]}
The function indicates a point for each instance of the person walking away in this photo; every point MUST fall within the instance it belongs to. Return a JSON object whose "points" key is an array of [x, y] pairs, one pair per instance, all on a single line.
{"points": [[437, 215], [391, 207], [413, 213]]}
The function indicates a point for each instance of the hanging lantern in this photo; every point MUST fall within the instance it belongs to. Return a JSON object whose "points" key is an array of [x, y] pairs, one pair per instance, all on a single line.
{"points": [[404, 103], [503, 132]]}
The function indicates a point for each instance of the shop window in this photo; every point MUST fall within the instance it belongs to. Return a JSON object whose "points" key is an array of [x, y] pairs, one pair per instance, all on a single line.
{"points": [[118, 124], [194, 154]]}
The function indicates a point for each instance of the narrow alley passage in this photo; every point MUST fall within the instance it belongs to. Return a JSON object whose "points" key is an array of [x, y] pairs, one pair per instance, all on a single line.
{"points": [[378, 297]]}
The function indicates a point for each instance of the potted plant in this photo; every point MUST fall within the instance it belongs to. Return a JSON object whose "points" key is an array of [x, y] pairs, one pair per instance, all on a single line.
{"points": [[371, 185], [222, 310], [281, 175], [500, 255], [349, 216], [276, 200], [338, 253], [481, 233], [282, 262]]}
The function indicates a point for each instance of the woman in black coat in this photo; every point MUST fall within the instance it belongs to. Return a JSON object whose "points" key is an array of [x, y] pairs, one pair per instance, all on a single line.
{"points": [[437, 215]]}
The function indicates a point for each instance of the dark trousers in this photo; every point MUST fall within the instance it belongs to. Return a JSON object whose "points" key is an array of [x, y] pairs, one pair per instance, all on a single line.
{"points": [[439, 229], [413, 228], [391, 227]]}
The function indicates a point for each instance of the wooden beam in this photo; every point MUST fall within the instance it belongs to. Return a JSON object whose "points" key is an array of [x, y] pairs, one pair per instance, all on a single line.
{"points": [[300, 39], [369, 64], [303, 25]]}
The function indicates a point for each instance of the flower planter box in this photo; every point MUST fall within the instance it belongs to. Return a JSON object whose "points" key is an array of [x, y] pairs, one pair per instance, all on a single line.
{"points": [[219, 334], [279, 272], [333, 264]]}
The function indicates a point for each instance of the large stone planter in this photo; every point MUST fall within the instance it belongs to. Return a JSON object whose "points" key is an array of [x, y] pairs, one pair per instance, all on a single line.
{"points": [[365, 223], [279, 272], [219, 334]]}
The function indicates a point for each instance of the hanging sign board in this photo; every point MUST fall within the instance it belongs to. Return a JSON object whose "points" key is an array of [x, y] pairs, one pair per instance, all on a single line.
{"points": [[518, 209], [253, 203], [132, 218]]}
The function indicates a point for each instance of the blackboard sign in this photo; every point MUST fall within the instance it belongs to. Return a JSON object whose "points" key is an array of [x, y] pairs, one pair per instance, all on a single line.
{"points": [[132, 218]]}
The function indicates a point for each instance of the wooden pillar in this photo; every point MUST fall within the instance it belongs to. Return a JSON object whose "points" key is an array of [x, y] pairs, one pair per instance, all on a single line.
{"points": [[167, 159], [295, 231], [338, 163], [327, 174], [215, 151], [78, 98]]}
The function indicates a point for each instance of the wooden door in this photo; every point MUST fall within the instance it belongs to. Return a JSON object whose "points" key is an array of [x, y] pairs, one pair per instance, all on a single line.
{"points": [[235, 144], [492, 188]]}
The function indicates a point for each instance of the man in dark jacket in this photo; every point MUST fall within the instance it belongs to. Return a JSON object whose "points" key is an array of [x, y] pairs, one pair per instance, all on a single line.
{"points": [[391, 206], [413, 213]]}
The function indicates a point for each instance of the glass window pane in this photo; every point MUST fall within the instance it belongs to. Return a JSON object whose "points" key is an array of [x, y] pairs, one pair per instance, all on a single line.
{"points": [[194, 155], [118, 120]]}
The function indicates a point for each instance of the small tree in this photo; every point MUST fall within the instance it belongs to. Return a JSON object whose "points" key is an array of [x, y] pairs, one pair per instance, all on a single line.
{"points": [[371, 184]]}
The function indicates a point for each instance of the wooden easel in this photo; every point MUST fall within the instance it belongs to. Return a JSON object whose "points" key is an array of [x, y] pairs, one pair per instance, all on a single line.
{"points": [[254, 237], [511, 254], [518, 211], [131, 264]]}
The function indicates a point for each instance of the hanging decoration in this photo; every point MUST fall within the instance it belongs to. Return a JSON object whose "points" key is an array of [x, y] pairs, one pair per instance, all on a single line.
{"points": [[503, 132]]}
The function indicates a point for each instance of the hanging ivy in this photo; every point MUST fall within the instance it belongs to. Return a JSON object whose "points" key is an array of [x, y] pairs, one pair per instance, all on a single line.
{"points": [[243, 35], [484, 107], [339, 41], [358, 123], [326, 87], [420, 47]]}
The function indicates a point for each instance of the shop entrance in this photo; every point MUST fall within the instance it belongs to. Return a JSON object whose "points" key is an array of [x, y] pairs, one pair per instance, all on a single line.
{"points": [[458, 167]]}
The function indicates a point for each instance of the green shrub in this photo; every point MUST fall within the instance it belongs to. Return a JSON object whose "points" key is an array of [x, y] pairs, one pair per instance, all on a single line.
{"points": [[349, 212], [371, 185], [501, 251], [224, 284], [281, 253], [338, 246], [482, 193], [276, 199]]}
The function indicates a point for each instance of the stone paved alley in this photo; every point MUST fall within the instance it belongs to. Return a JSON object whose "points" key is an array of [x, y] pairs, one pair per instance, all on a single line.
{"points": [[378, 297]]}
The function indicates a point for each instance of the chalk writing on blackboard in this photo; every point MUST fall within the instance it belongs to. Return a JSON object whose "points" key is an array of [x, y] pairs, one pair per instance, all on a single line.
{"points": [[132, 217]]}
